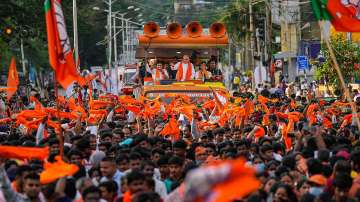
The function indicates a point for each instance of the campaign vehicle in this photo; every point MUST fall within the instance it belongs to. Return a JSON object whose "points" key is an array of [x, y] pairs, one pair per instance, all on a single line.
{"points": [[170, 44]]}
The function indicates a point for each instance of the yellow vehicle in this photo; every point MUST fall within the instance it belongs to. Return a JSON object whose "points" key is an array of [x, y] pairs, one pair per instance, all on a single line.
{"points": [[174, 44], [194, 90]]}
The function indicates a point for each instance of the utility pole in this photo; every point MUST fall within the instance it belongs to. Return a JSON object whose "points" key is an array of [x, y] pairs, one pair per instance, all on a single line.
{"points": [[259, 54], [115, 42], [123, 38], [252, 44], [268, 38], [127, 39], [22, 56], [76, 39], [109, 33]]}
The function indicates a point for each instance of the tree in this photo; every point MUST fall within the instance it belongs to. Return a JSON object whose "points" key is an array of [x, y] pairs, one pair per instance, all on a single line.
{"points": [[347, 55]]}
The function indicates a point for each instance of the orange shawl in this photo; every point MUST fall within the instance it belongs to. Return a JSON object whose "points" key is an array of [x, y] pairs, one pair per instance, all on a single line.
{"points": [[179, 75]]}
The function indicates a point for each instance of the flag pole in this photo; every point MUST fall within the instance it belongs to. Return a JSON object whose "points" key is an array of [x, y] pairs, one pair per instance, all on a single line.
{"points": [[60, 136], [342, 82], [76, 38]]}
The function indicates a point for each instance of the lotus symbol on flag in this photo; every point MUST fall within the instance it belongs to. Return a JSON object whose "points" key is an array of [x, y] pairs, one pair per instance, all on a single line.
{"points": [[64, 39], [353, 6]]}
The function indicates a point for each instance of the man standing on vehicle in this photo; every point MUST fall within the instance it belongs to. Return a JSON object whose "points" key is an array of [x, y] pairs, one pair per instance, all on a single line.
{"points": [[185, 69], [159, 73]]}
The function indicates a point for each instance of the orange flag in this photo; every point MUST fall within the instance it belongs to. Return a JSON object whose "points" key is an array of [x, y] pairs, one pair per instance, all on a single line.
{"points": [[240, 176], [60, 53], [135, 109], [260, 132], [172, 129], [56, 170], [239, 180], [186, 110], [220, 100], [293, 104], [327, 123], [23, 153], [13, 79], [262, 99], [38, 105], [285, 131], [310, 113], [249, 108], [209, 104]]}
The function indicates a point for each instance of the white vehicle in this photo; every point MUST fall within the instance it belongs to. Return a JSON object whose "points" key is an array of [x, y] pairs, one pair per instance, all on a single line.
{"points": [[127, 77]]}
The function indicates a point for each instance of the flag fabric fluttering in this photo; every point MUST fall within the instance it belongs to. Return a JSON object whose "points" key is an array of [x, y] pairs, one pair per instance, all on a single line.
{"points": [[220, 100], [171, 129], [13, 79], [320, 11], [57, 170], [22, 153], [344, 15], [60, 52], [222, 181]]}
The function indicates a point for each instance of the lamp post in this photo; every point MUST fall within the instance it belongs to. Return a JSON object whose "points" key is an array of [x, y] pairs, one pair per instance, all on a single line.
{"points": [[110, 32], [125, 29], [252, 40]]}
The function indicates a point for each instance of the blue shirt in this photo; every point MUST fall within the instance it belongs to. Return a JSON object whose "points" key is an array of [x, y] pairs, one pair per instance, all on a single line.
{"points": [[116, 178]]}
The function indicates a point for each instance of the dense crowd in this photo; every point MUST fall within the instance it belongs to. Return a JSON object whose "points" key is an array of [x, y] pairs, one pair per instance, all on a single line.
{"points": [[300, 148]]}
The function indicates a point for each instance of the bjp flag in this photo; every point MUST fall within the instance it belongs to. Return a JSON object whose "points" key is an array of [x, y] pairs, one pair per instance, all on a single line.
{"points": [[60, 52], [13, 79]]}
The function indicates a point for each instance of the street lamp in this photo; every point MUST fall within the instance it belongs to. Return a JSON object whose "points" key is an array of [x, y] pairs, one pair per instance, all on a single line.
{"points": [[130, 7], [140, 15], [136, 9], [95, 8]]}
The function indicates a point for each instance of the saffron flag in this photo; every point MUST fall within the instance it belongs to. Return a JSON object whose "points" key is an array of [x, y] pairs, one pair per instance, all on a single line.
{"points": [[220, 100], [343, 14], [60, 53], [222, 181], [171, 129], [13, 79], [23, 153], [56, 170]]}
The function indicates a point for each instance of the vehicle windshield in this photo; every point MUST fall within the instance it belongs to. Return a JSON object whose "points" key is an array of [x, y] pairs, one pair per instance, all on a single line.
{"points": [[129, 77]]}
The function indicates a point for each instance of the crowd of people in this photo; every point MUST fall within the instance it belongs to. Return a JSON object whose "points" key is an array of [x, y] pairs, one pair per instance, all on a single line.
{"points": [[298, 148]]}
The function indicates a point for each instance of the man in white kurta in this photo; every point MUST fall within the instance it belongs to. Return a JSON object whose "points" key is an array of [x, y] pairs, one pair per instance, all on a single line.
{"points": [[185, 69]]}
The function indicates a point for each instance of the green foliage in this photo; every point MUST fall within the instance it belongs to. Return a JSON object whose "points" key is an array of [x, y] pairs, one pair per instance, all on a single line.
{"points": [[236, 19], [21, 15], [29, 15], [347, 55]]}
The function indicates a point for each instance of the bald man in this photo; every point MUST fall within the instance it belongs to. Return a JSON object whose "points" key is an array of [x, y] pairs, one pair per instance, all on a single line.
{"points": [[185, 70]]}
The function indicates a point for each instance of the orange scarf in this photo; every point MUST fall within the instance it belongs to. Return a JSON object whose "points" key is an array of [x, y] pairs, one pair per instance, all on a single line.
{"points": [[158, 76], [127, 197], [179, 75]]}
